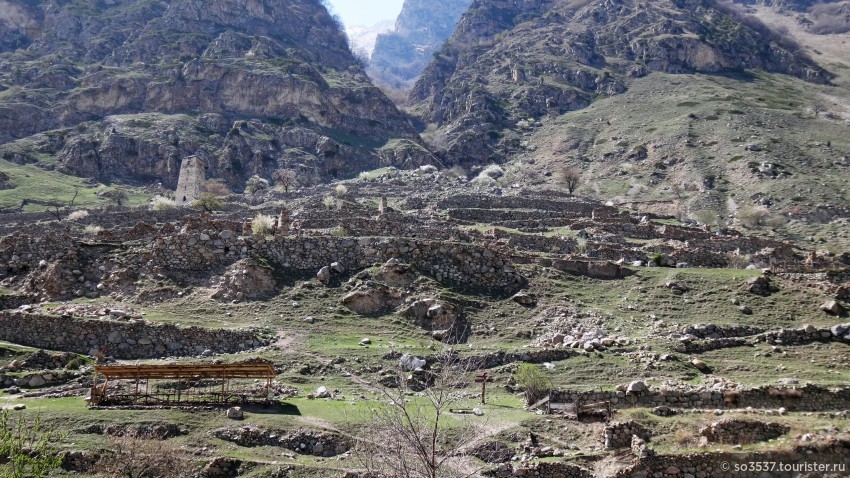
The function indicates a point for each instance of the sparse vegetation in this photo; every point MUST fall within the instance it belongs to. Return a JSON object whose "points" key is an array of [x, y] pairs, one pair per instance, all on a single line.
{"points": [[262, 224], [92, 230], [162, 203], [26, 447], [77, 215], [533, 380], [208, 202], [256, 184]]}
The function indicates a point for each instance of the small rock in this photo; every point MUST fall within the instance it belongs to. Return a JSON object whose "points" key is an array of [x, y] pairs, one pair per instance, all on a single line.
{"points": [[365, 342], [636, 387], [235, 413]]}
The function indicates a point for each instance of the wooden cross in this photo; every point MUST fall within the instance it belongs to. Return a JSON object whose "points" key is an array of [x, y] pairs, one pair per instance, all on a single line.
{"points": [[483, 377]]}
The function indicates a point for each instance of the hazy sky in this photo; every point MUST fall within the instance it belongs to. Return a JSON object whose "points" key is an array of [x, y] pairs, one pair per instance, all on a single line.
{"points": [[366, 12]]}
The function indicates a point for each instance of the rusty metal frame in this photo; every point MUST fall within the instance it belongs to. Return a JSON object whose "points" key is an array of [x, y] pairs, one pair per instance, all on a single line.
{"points": [[185, 376]]}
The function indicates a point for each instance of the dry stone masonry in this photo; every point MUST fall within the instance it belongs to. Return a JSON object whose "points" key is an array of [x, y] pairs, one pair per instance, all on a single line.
{"points": [[123, 339]]}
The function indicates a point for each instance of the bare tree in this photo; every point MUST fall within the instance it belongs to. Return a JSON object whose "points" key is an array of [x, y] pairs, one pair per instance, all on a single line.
{"points": [[570, 177], [411, 435], [286, 178], [216, 187], [118, 196], [60, 208], [141, 455]]}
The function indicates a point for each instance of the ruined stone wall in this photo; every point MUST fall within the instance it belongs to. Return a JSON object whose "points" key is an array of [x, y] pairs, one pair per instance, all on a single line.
{"points": [[728, 465], [490, 216], [465, 265], [584, 208], [808, 398], [619, 435], [123, 339], [707, 465], [742, 432]]}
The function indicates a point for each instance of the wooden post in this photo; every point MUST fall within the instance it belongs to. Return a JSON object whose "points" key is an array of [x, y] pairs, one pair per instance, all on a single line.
{"points": [[484, 392]]}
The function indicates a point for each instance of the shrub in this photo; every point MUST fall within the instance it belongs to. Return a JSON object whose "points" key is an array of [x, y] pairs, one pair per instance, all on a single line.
{"points": [[118, 196], [256, 184], [78, 214], [92, 230], [533, 380], [207, 202], [341, 190], [329, 202], [458, 172], [25, 448], [162, 203], [752, 217], [262, 224]]}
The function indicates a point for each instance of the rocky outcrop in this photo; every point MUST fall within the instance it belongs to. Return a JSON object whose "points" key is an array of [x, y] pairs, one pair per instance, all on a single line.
{"points": [[127, 89], [401, 54]]}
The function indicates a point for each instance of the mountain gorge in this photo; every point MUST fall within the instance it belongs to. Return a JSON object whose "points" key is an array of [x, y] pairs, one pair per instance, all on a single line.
{"points": [[125, 89], [421, 29]]}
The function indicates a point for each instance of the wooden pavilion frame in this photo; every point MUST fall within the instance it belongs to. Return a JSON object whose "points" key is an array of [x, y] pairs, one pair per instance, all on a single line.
{"points": [[185, 384]]}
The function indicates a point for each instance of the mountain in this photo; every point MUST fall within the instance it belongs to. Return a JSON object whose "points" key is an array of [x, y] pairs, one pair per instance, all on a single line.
{"points": [[362, 38], [421, 28], [124, 89], [686, 107]]}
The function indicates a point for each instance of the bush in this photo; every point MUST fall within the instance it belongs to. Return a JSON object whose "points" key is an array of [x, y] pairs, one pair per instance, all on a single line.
{"points": [[78, 214], [162, 203], [262, 224], [533, 380], [25, 448], [752, 217], [92, 230], [458, 172], [341, 190], [207, 202], [329, 202], [256, 184]]}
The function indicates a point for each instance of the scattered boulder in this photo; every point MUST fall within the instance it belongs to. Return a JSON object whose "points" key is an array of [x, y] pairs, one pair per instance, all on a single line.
{"points": [[745, 310], [833, 308], [637, 387], [700, 365], [324, 274], [761, 285], [410, 363], [365, 342], [525, 299], [372, 299], [322, 392], [235, 413]]}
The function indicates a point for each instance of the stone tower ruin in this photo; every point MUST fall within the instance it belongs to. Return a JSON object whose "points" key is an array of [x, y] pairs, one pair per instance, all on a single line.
{"points": [[190, 184]]}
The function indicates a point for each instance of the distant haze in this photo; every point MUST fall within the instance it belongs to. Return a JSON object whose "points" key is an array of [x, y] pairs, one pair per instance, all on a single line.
{"points": [[365, 12]]}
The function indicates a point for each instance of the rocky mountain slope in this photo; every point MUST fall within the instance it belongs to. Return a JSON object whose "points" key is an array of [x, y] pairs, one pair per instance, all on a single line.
{"points": [[422, 27], [362, 38], [698, 109], [126, 89]]}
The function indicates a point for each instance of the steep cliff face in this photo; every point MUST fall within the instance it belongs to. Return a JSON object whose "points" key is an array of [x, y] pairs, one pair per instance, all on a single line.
{"points": [[421, 29], [512, 60], [124, 88]]}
